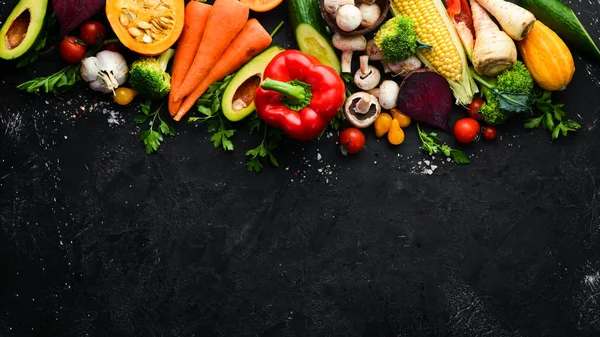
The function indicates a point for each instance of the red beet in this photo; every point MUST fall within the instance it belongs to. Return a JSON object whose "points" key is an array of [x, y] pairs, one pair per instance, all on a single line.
{"points": [[425, 96], [72, 13]]}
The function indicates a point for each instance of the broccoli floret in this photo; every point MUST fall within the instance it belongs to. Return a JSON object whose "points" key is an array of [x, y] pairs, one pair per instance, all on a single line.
{"points": [[397, 39], [510, 83], [148, 75]]}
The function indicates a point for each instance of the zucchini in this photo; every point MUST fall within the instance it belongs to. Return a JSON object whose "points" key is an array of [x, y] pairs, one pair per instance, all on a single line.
{"points": [[561, 19], [310, 31]]}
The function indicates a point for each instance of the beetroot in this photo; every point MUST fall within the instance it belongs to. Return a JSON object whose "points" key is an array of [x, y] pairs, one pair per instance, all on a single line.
{"points": [[72, 13], [425, 96]]}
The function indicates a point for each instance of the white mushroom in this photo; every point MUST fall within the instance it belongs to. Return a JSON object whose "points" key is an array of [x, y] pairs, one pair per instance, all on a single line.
{"points": [[374, 92], [404, 67], [388, 94], [370, 14], [367, 77], [348, 17], [362, 109], [348, 45], [386, 67], [373, 51], [369, 1], [332, 6]]}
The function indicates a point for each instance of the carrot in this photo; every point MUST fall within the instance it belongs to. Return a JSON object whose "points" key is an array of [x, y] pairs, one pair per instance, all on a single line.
{"points": [[251, 41], [196, 15], [225, 21]]}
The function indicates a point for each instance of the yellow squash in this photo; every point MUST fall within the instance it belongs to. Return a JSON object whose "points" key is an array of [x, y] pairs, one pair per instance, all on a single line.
{"points": [[547, 57]]}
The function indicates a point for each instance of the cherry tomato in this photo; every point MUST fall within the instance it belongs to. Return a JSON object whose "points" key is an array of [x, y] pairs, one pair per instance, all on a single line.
{"points": [[113, 46], [489, 133], [474, 108], [466, 130], [124, 96], [92, 32], [352, 140], [72, 49]]}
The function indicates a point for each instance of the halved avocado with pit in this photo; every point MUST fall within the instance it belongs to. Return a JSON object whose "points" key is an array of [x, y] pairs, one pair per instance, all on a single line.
{"points": [[237, 101], [22, 27]]}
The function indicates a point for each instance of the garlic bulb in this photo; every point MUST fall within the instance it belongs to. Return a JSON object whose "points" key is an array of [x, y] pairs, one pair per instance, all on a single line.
{"points": [[105, 71]]}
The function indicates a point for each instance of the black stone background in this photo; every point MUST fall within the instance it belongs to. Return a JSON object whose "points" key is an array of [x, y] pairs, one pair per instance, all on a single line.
{"points": [[99, 239]]}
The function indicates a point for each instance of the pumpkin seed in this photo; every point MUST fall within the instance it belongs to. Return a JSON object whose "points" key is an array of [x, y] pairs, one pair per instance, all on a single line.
{"points": [[123, 19], [134, 32], [143, 25], [147, 39]]}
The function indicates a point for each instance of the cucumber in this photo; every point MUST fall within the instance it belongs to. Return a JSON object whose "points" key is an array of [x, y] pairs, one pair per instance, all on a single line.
{"points": [[311, 33], [561, 19]]}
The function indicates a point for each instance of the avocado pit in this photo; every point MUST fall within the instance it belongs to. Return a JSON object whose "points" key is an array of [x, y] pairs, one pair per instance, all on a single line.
{"points": [[244, 95], [17, 31]]}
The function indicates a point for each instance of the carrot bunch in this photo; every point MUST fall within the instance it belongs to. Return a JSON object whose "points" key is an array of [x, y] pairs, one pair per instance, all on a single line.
{"points": [[216, 41]]}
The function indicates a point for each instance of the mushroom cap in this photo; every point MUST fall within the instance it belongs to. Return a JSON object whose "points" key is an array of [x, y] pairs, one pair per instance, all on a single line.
{"points": [[349, 43], [388, 94], [361, 120], [370, 14], [368, 81], [348, 17]]}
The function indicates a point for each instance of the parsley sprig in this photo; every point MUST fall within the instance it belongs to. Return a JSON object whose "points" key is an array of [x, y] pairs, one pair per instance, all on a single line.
{"points": [[431, 145], [209, 107], [150, 137], [263, 153], [551, 117]]}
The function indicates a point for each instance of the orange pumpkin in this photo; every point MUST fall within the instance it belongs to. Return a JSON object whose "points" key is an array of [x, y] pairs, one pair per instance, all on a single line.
{"points": [[147, 27], [547, 57]]}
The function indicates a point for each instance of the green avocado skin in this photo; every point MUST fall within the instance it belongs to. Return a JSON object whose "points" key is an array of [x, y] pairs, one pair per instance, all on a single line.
{"points": [[254, 67], [563, 21], [36, 10]]}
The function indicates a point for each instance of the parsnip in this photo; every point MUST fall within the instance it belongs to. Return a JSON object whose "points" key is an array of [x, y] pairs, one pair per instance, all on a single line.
{"points": [[494, 50], [516, 21]]}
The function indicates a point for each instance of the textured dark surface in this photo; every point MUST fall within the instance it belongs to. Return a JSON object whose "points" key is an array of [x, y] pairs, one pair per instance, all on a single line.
{"points": [[99, 239]]}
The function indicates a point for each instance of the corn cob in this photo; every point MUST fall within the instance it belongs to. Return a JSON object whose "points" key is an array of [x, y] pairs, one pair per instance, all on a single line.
{"points": [[433, 27]]}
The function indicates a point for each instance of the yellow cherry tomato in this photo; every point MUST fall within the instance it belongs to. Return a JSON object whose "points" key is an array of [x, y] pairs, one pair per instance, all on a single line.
{"points": [[395, 135], [124, 96], [403, 120], [383, 124]]}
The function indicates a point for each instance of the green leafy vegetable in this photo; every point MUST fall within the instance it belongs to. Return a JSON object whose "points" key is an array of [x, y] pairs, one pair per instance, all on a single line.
{"points": [[431, 145], [150, 137], [263, 153], [209, 107], [57, 83], [551, 117]]}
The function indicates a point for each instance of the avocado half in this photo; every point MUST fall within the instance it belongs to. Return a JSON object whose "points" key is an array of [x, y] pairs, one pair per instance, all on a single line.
{"points": [[237, 101], [22, 28]]}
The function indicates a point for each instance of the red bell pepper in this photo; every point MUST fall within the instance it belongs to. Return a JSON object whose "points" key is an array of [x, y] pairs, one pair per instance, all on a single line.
{"points": [[460, 14], [299, 94]]}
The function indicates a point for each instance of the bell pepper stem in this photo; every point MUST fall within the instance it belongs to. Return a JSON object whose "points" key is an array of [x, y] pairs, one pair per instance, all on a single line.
{"points": [[293, 92]]}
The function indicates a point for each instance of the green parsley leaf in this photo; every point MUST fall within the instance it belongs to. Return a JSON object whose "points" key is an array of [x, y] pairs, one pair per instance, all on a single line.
{"points": [[550, 116], [430, 143], [264, 151], [140, 118], [151, 139], [145, 107]]}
